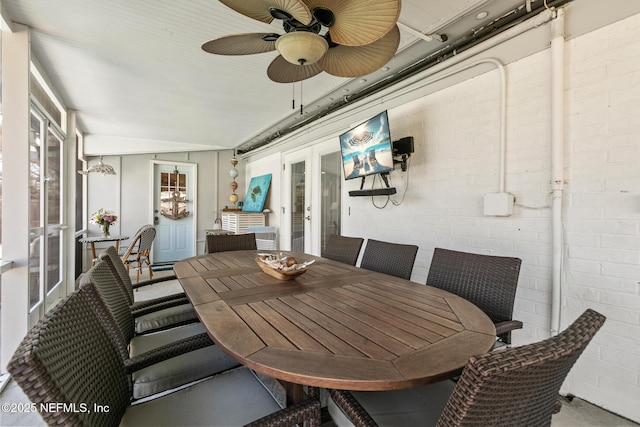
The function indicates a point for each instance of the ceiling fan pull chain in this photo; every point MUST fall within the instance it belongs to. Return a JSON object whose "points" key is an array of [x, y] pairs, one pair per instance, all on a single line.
{"points": [[293, 96], [301, 101]]}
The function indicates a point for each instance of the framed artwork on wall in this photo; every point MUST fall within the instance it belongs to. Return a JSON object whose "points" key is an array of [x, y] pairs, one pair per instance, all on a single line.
{"points": [[256, 193]]}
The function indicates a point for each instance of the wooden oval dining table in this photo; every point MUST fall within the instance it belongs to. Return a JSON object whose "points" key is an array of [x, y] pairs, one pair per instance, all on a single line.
{"points": [[336, 326]]}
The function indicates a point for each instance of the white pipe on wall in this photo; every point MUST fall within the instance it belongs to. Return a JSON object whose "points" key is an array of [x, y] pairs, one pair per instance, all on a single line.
{"points": [[503, 105], [503, 124], [557, 162]]}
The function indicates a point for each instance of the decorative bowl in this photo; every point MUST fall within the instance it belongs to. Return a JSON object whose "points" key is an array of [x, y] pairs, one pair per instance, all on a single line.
{"points": [[279, 274]]}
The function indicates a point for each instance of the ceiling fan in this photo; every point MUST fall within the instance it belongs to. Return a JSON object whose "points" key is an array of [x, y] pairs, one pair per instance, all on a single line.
{"points": [[345, 38]]}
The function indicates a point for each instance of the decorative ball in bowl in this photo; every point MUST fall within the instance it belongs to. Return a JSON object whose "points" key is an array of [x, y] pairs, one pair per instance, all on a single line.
{"points": [[282, 267]]}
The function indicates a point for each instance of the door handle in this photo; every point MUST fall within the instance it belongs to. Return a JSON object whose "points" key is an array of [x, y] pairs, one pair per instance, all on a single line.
{"points": [[308, 217]]}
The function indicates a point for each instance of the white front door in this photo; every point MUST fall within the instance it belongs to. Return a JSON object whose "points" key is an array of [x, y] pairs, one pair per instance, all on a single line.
{"points": [[174, 211]]}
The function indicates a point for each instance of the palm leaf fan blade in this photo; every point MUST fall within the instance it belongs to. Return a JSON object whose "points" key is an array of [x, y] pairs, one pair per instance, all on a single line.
{"points": [[241, 44], [357, 23], [356, 61], [254, 9], [259, 9], [282, 71]]}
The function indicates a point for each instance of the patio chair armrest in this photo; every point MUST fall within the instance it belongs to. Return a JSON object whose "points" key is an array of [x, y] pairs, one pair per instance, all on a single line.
{"points": [[507, 326], [352, 408], [168, 351], [154, 281], [141, 308], [307, 413]]}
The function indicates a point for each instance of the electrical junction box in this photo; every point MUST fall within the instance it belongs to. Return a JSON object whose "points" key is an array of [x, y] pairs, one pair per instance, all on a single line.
{"points": [[498, 204]]}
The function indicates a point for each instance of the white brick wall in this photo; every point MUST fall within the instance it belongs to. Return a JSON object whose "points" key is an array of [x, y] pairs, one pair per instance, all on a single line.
{"points": [[456, 162], [602, 266]]}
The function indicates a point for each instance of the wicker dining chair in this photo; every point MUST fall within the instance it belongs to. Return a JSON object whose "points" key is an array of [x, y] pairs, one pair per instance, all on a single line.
{"points": [[487, 281], [390, 258], [138, 252], [230, 242], [152, 314], [162, 360], [343, 249], [516, 386], [69, 358]]}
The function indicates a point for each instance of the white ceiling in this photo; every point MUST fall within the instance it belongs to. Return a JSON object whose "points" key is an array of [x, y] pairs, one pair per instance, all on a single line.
{"points": [[139, 81]]}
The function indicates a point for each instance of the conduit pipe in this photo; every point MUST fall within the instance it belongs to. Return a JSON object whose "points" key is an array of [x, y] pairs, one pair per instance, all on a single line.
{"points": [[557, 163], [402, 84], [503, 104]]}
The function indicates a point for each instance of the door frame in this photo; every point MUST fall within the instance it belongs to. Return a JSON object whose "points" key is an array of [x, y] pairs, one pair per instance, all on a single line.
{"points": [[152, 183], [312, 155]]}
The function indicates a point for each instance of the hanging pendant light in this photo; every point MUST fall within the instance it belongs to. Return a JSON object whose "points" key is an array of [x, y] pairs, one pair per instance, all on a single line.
{"points": [[100, 168]]}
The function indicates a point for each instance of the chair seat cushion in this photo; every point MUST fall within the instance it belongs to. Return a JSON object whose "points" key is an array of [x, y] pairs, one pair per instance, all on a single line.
{"points": [[409, 407], [178, 370], [232, 398], [165, 318], [157, 289]]}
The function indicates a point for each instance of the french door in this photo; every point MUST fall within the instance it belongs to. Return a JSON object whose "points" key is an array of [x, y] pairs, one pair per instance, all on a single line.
{"points": [[312, 195], [297, 206], [46, 256]]}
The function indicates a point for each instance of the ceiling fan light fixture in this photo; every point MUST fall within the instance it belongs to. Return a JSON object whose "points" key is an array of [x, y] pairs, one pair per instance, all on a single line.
{"points": [[302, 47]]}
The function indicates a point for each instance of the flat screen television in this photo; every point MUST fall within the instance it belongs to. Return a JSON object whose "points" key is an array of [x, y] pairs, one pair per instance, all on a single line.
{"points": [[367, 149]]}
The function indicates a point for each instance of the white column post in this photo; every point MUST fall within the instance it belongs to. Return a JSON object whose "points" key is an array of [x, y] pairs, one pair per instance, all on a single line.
{"points": [[15, 181], [72, 175]]}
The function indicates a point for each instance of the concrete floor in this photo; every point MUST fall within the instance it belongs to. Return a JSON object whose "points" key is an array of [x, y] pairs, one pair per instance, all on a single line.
{"points": [[581, 413], [577, 413]]}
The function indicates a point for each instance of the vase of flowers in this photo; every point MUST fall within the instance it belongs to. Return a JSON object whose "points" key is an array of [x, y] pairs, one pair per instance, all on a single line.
{"points": [[104, 219]]}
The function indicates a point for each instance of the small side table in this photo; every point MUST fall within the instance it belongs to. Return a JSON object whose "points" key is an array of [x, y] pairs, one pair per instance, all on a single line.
{"points": [[237, 222], [97, 239]]}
